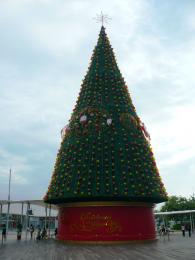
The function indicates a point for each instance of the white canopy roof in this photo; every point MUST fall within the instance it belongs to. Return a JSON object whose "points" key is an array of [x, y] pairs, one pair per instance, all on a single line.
{"points": [[175, 212], [31, 202]]}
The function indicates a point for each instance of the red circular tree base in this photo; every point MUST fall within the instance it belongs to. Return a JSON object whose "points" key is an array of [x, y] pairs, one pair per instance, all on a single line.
{"points": [[106, 223]]}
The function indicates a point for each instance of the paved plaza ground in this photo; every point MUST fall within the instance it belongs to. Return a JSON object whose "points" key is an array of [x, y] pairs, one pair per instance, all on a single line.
{"points": [[177, 247]]}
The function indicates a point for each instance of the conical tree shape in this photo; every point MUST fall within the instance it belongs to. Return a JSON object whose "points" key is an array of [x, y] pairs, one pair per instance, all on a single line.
{"points": [[104, 155]]}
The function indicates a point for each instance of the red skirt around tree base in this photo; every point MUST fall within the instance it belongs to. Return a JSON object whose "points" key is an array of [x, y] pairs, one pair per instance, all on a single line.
{"points": [[106, 222]]}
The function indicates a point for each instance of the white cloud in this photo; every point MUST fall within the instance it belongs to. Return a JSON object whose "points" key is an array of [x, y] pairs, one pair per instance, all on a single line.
{"points": [[19, 167]]}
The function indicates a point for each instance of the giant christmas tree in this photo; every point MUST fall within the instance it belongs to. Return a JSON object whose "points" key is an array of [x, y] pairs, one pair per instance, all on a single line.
{"points": [[105, 161]]}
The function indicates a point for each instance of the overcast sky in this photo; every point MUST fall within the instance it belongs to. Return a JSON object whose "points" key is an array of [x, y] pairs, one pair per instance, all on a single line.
{"points": [[45, 48]]}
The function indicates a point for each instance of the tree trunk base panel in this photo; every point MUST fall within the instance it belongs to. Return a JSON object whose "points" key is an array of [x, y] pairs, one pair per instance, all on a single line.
{"points": [[96, 223]]}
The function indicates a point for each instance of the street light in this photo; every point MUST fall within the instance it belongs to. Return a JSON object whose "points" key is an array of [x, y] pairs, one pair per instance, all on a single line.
{"points": [[8, 205]]}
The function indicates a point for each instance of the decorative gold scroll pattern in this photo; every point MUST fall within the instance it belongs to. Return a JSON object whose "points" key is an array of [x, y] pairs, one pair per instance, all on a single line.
{"points": [[92, 222]]}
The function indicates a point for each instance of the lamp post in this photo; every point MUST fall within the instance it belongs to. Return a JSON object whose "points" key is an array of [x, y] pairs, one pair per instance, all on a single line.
{"points": [[8, 205]]}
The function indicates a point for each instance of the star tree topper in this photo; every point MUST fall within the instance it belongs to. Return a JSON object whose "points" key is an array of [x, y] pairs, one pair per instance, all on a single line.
{"points": [[102, 18]]}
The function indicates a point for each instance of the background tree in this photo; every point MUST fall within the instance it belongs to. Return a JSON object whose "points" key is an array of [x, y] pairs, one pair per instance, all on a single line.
{"points": [[179, 203], [176, 203]]}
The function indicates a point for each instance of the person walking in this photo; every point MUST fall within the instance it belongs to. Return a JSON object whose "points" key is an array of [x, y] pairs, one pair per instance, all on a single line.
{"points": [[31, 231], [56, 232], [163, 230], [168, 230], [189, 229], [19, 231], [4, 233], [183, 229], [38, 233], [44, 233]]}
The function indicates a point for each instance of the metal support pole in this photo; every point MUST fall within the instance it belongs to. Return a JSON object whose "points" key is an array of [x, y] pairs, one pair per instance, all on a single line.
{"points": [[49, 219], [191, 222], [29, 215], [21, 217], [27, 211], [163, 220], [46, 216], [26, 221], [7, 220], [8, 205], [1, 215]]}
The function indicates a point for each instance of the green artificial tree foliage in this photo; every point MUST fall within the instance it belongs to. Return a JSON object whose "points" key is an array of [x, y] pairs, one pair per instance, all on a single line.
{"points": [[105, 154]]}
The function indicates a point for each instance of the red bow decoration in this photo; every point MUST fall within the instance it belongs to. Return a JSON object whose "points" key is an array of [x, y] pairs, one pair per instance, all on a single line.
{"points": [[64, 131], [144, 130]]}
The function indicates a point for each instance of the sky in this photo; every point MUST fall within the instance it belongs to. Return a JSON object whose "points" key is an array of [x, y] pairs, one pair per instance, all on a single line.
{"points": [[45, 49]]}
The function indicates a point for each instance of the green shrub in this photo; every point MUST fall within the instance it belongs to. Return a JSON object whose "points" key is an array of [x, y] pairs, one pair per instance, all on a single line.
{"points": [[176, 227]]}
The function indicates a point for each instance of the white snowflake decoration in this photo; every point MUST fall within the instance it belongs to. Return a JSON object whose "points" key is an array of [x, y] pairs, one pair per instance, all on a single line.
{"points": [[109, 121], [83, 118]]}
